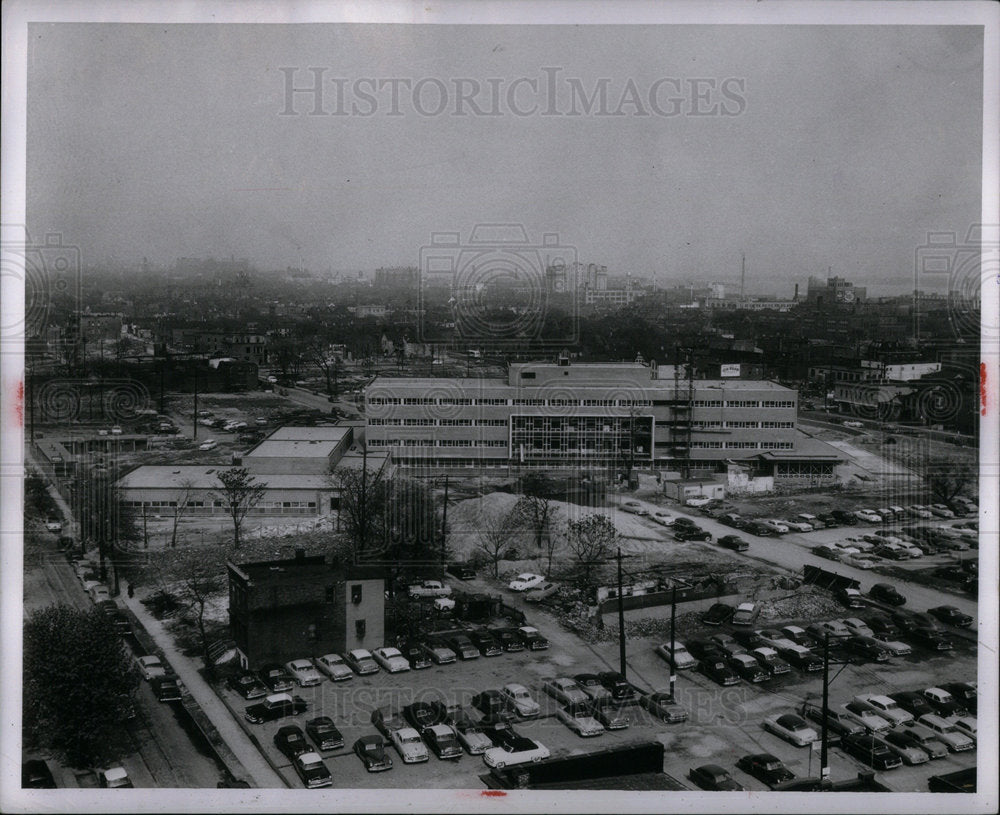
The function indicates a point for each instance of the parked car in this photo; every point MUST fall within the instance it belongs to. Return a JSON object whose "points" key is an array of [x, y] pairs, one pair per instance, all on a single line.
{"points": [[150, 667], [718, 671], [871, 750], [919, 737], [424, 714], [291, 741], [792, 728], [532, 638], [866, 648], [798, 635], [324, 733], [835, 628], [748, 668], [713, 778], [617, 685], [850, 597], [776, 526], [896, 648], [765, 767], [941, 511], [333, 666], [508, 638], [885, 706], [488, 645], [634, 507], [912, 702], [843, 516], [663, 707], [580, 719], [859, 627], [36, 775], [276, 677], [873, 722], [953, 738], [520, 698], [920, 511], [951, 615], [748, 639], [691, 533], [408, 744], [661, 517], [209, 444], [944, 703], [542, 592], [463, 571], [964, 693], [761, 530], [717, 614], [839, 723], [114, 778], [274, 707], [698, 501], [612, 713], [734, 542], [564, 690], [746, 614], [443, 741], [392, 659], [868, 515], [827, 552], [495, 705], [801, 658], [525, 581], [732, 519], [371, 750], [931, 638], [679, 657], [248, 686], [429, 588], [470, 735], [592, 686], [312, 771], [518, 750], [166, 689], [799, 525], [727, 644], [304, 672], [966, 724], [768, 659]]}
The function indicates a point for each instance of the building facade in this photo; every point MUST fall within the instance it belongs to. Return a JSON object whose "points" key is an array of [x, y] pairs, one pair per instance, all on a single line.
{"points": [[554, 415], [301, 607]]}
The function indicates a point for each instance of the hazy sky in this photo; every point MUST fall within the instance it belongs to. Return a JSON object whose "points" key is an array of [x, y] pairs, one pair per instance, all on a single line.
{"points": [[848, 145]]}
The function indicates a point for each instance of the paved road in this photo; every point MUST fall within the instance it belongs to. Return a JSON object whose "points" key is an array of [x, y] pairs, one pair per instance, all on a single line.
{"points": [[792, 552]]}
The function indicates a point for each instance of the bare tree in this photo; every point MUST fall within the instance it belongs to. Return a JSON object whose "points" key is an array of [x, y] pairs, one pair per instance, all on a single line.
{"points": [[948, 478], [240, 493], [494, 537], [536, 513], [590, 540], [180, 506]]}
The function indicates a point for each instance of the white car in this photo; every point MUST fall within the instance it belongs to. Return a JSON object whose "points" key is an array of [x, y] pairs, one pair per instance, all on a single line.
{"points": [[661, 517], [361, 661], [526, 581], [634, 507], [885, 707], [867, 718], [518, 696], [116, 430], [99, 593], [858, 560], [444, 604], [852, 424], [941, 511], [945, 731], [792, 728], [698, 501], [967, 724], [868, 515], [564, 690], [515, 750], [391, 659], [681, 658], [53, 525], [150, 667], [775, 525], [304, 672], [894, 647], [580, 719], [114, 777], [799, 526], [333, 666], [407, 742], [211, 444], [920, 511], [859, 627]]}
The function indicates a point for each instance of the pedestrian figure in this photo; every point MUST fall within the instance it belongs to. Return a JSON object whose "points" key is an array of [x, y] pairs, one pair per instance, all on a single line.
{"points": [[131, 591]]}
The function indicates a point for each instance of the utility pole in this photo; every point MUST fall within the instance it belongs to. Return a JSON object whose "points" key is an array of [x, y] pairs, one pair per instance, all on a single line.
{"points": [[824, 764], [673, 639], [363, 531], [621, 617], [194, 418], [444, 525]]}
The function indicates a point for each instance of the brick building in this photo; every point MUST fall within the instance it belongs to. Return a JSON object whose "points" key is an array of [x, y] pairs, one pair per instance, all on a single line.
{"points": [[304, 606]]}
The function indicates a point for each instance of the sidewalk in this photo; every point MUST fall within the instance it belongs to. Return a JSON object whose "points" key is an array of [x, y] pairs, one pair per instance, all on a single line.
{"points": [[257, 768]]}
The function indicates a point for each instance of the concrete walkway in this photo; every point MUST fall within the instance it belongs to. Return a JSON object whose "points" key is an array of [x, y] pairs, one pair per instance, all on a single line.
{"points": [[261, 773]]}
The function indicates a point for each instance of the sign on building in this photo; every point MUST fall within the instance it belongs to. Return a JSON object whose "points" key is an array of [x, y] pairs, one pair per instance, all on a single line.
{"points": [[730, 370]]}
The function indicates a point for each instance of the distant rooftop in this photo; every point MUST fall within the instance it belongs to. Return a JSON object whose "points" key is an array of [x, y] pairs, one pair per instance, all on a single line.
{"points": [[322, 433], [282, 448]]}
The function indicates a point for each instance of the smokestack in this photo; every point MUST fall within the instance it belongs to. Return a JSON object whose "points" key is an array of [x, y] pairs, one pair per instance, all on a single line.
{"points": [[796, 297], [743, 277]]}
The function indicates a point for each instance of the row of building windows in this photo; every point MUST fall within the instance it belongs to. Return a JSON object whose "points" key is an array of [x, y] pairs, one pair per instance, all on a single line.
{"points": [[260, 505], [561, 402], [437, 422], [743, 403], [743, 445]]}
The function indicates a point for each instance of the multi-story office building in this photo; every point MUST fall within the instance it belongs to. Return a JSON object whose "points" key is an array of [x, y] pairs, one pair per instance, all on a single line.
{"points": [[554, 415]]}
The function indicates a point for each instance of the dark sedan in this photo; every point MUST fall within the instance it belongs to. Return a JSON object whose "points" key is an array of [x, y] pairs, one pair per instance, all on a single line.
{"points": [[714, 778], [912, 702], [765, 767], [886, 593], [963, 692], [718, 614], [36, 775], [487, 644], [291, 741], [865, 648], [719, 672], [494, 706], [248, 686], [759, 529], [931, 638], [687, 533], [664, 708], [748, 639], [746, 667], [508, 638], [882, 626], [443, 742], [951, 615], [371, 750], [871, 750], [704, 649], [276, 706], [416, 656], [276, 677], [617, 685], [166, 689], [734, 542], [324, 733], [424, 714]]}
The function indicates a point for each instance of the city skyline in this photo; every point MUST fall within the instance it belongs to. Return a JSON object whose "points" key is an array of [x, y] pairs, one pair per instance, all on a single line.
{"points": [[175, 141]]}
